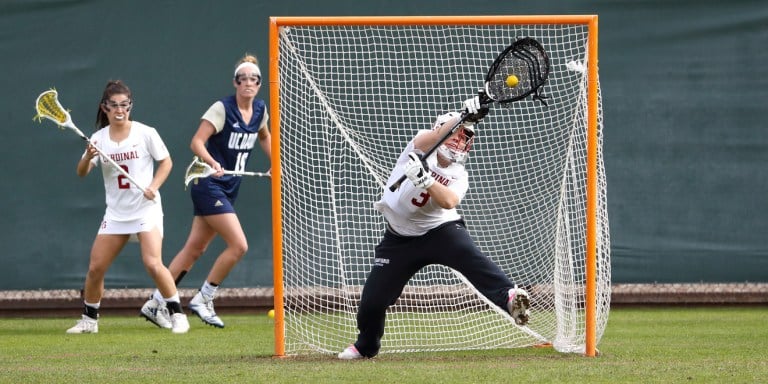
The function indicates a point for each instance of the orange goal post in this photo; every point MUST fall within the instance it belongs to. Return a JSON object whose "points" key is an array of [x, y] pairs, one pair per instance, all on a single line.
{"points": [[346, 95]]}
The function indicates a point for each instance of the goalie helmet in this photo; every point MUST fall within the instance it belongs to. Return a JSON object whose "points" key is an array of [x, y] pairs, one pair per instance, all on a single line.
{"points": [[456, 148]]}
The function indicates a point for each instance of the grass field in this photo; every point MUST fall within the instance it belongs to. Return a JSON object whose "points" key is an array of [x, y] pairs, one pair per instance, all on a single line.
{"points": [[659, 345]]}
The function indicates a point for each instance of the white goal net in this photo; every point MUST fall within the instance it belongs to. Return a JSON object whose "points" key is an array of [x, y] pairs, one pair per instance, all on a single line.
{"points": [[350, 98]]}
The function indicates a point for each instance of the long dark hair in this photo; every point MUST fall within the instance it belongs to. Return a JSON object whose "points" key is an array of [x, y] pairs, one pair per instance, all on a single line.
{"points": [[114, 87]]}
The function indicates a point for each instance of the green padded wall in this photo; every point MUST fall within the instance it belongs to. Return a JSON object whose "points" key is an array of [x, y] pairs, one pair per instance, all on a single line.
{"points": [[686, 142]]}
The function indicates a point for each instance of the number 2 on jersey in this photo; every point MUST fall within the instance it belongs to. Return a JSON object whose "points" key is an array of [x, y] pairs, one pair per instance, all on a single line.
{"points": [[122, 181]]}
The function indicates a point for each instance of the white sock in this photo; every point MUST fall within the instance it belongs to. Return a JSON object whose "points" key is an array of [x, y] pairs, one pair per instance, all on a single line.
{"points": [[173, 299], [208, 290], [158, 296]]}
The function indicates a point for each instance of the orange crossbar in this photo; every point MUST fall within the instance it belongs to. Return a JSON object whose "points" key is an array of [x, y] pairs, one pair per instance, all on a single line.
{"points": [[432, 20], [592, 139]]}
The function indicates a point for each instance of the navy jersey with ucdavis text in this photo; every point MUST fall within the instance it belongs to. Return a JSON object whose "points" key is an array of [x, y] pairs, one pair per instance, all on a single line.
{"points": [[233, 141]]}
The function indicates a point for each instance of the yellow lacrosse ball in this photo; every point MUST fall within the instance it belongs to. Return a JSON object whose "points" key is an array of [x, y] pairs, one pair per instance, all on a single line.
{"points": [[271, 314], [512, 81]]}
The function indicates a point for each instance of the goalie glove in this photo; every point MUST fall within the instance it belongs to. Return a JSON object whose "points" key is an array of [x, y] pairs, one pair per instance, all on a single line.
{"points": [[417, 172], [475, 110]]}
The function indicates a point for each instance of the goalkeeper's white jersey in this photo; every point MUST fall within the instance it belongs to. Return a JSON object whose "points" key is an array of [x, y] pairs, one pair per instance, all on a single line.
{"points": [[409, 210], [137, 155]]}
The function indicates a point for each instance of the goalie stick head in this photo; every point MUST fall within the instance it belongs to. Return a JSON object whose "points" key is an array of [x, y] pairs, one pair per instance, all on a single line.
{"points": [[528, 61], [456, 148]]}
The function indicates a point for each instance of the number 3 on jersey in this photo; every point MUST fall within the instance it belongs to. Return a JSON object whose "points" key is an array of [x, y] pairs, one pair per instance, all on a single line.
{"points": [[242, 158], [424, 198]]}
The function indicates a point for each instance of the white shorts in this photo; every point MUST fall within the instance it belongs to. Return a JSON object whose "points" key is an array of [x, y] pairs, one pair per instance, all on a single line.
{"points": [[145, 224]]}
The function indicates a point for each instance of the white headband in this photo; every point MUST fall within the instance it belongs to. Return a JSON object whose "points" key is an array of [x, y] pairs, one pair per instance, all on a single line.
{"points": [[247, 64]]}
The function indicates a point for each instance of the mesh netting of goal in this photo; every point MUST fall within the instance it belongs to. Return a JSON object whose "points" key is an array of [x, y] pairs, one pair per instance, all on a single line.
{"points": [[348, 95]]}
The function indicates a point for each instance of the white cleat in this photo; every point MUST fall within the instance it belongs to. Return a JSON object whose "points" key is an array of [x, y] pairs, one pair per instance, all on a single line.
{"points": [[156, 313], [179, 323], [202, 306], [85, 325], [350, 353], [518, 305]]}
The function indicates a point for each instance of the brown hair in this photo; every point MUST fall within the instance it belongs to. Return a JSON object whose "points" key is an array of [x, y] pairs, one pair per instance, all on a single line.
{"points": [[114, 87], [247, 58]]}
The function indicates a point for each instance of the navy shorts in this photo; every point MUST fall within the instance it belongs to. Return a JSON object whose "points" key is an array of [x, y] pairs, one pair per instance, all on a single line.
{"points": [[210, 200]]}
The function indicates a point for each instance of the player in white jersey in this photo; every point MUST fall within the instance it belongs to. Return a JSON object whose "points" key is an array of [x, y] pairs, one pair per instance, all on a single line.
{"points": [[424, 227], [136, 153], [132, 212]]}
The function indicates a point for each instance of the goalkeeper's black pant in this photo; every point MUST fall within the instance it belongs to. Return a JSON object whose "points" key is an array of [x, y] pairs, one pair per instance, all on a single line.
{"points": [[398, 258]]}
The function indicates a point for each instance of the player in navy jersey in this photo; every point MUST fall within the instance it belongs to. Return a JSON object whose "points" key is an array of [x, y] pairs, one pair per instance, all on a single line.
{"points": [[423, 228], [228, 131]]}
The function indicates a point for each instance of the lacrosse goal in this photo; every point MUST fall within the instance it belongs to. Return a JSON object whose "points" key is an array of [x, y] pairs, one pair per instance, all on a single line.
{"points": [[347, 93]]}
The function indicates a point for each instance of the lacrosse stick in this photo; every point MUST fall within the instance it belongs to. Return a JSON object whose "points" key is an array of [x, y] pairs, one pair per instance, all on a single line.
{"points": [[527, 62], [199, 169], [48, 106]]}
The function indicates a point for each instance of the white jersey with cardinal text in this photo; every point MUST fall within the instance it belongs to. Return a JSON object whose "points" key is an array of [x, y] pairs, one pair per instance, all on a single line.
{"points": [[136, 155], [409, 210]]}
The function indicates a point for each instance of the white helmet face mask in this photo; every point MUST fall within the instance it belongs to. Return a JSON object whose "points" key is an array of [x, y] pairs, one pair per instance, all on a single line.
{"points": [[456, 148]]}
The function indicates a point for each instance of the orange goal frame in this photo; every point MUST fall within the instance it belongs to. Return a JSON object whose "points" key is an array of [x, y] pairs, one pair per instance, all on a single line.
{"points": [[592, 140]]}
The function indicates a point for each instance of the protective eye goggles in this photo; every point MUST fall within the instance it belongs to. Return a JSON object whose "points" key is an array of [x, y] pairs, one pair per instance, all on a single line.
{"points": [[110, 105], [243, 77]]}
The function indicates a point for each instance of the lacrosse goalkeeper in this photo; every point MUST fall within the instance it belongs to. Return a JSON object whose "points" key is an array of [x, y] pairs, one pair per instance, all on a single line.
{"points": [[227, 133], [424, 227]]}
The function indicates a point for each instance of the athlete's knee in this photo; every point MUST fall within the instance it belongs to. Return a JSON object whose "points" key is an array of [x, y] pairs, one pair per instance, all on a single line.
{"points": [[97, 269], [197, 250], [96, 272], [193, 252], [238, 250], [153, 265]]}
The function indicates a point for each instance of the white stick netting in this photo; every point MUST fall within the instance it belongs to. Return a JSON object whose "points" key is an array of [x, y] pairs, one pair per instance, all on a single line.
{"points": [[350, 99]]}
